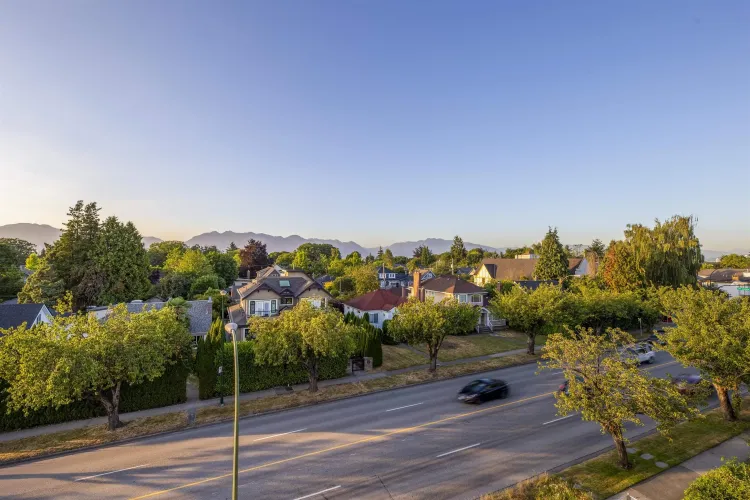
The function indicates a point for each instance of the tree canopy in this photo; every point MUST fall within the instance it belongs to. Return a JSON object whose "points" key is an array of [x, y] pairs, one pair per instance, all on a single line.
{"points": [[302, 336], [712, 334], [79, 356], [122, 262], [430, 322], [253, 258], [607, 387]]}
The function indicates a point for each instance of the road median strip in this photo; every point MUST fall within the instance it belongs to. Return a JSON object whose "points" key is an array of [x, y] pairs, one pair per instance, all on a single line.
{"points": [[97, 435]]}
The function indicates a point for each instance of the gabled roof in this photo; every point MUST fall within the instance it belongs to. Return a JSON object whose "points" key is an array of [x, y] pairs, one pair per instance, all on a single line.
{"points": [[517, 269], [237, 315], [326, 278], [379, 300], [451, 284], [12, 315], [278, 284], [266, 271]]}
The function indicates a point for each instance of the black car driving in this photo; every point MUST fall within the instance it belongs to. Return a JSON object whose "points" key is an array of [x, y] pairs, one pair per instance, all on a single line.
{"points": [[484, 389]]}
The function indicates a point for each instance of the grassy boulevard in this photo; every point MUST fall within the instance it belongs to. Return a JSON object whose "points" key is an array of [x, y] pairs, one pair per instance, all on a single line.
{"points": [[600, 477], [39, 446]]}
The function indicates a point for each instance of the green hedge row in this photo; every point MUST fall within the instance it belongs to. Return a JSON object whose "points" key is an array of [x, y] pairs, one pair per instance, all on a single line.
{"points": [[166, 390], [260, 377]]}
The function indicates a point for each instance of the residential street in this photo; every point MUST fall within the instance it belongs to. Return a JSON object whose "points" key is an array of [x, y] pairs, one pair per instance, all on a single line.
{"points": [[417, 442]]}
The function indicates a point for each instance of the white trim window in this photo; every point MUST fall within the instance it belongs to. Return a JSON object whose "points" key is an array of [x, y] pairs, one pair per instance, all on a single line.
{"points": [[286, 301], [462, 298], [477, 298], [374, 318]]}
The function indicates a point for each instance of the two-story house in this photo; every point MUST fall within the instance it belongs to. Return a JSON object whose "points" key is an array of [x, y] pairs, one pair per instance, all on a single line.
{"points": [[522, 269], [270, 295], [392, 278], [440, 288]]}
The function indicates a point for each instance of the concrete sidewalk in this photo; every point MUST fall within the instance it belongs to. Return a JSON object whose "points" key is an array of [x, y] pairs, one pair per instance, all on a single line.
{"points": [[191, 406], [671, 484]]}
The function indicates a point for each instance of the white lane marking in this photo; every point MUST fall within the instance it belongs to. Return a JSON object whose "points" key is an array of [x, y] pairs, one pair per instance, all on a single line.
{"points": [[558, 419], [456, 451], [407, 406], [107, 473], [282, 434], [318, 492]]}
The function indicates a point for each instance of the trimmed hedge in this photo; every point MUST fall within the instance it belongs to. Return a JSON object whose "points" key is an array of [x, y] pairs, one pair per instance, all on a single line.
{"points": [[731, 481], [260, 377], [169, 389]]}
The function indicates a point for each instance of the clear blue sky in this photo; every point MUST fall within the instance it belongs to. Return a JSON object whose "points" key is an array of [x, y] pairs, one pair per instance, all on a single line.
{"points": [[379, 121]]}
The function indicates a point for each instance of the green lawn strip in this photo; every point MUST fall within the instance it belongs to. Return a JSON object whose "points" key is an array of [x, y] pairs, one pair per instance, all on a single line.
{"points": [[471, 346], [94, 435], [396, 357], [542, 487], [604, 478]]}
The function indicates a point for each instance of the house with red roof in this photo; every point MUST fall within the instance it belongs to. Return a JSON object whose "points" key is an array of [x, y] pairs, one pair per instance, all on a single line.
{"points": [[379, 305]]}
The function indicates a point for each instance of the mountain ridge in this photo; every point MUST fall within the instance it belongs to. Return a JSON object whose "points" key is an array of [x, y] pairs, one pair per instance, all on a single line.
{"points": [[38, 234]]}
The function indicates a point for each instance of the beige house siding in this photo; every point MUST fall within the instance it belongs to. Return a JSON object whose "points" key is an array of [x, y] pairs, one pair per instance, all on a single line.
{"points": [[482, 276], [315, 294], [437, 296]]}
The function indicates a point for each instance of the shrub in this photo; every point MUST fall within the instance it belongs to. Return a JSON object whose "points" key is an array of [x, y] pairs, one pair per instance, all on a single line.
{"points": [[385, 337], [255, 377], [544, 487], [731, 481], [203, 283], [205, 360]]}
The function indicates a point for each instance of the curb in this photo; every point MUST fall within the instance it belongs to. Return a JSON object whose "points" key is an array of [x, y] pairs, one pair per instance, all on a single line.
{"points": [[244, 417]]}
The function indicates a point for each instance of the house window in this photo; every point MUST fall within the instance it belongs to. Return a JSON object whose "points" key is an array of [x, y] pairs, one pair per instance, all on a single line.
{"points": [[392, 275], [476, 298], [286, 301], [374, 318], [273, 306], [251, 306], [462, 298]]}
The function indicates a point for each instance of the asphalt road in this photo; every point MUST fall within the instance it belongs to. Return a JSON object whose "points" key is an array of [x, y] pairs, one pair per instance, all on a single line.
{"points": [[416, 442]]}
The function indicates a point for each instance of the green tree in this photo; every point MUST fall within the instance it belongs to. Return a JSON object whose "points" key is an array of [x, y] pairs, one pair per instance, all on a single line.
{"points": [[458, 251], [219, 302], [303, 336], [72, 255], [78, 356], [388, 258], [19, 250], [734, 261], [596, 249], [731, 481], [174, 285], [32, 262], [429, 322], [159, 251], [553, 261], [619, 271], [380, 253], [712, 334], [204, 283], [365, 279], [474, 256], [607, 387], [302, 261], [191, 263], [442, 265], [205, 359], [425, 256], [512, 253], [253, 258], [224, 266], [11, 282], [42, 287], [122, 262], [353, 259], [531, 311]]}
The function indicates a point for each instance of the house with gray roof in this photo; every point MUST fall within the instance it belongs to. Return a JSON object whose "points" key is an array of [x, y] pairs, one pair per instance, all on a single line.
{"points": [[14, 315], [198, 313], [271, 295]]}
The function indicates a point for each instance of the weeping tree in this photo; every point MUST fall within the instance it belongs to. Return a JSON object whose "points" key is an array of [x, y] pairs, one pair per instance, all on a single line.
{"points": [[81, 357], [712, 334], [608, 388]]}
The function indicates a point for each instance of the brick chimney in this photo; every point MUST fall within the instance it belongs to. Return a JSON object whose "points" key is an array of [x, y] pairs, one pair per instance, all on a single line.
{"points": [[417, 282]]}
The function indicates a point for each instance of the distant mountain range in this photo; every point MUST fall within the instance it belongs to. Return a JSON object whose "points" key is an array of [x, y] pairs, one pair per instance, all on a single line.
{"points": [[39, 234]]}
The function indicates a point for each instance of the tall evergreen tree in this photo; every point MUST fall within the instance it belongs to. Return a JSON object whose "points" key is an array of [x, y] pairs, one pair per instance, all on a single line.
{"points": [[121, 260], [71, 256], [458, 251], [205, 359], [553, 261], [380, 253]]}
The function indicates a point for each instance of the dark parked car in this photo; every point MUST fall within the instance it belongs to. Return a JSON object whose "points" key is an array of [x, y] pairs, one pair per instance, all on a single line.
{"points": [[482, 390]]}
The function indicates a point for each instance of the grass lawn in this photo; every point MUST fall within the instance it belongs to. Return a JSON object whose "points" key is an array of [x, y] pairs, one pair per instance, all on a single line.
{"points": [[471, 346], [603, 477], [396, 357], [544, 487]]}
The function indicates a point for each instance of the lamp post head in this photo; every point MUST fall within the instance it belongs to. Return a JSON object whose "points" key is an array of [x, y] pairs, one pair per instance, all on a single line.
{"points": [[223, 292], [230, 327]]}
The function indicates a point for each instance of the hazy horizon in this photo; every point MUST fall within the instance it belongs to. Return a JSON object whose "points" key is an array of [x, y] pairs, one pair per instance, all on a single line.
{"points": [[379, 122]]}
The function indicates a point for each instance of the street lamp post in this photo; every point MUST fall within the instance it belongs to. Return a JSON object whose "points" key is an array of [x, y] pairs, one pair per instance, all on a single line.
{"points": [[640, 325], [232, 328], [223, 294]]}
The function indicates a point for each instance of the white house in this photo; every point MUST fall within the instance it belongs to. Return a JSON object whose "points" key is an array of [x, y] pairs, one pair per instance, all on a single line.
{"points": [[379, 305]]}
